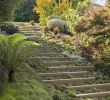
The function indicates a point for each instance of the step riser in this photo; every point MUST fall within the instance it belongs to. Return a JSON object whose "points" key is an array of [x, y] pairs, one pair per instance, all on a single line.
{"points": [[86, 87], [58, 64], [26, 31], [72, 69], [30, 34], [48, 55], [48, 50], [94, 95], [51, 64], [55, 59], [61, 74], [66, 81]]}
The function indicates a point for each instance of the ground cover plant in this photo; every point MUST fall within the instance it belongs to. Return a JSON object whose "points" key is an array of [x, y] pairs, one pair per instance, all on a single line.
{"points": [[26, 86]]}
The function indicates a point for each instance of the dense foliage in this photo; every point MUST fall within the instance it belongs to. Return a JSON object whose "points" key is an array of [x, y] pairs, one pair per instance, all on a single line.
{"points": [[68, 10], [8, 8], [51, 7], [94, 36], [14, 51], [25, 12], [9, 28], [92, 40], [26, 87]]}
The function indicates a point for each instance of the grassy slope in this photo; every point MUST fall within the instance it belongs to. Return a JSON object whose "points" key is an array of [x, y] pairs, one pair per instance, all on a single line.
{"points": [[26, 87]]}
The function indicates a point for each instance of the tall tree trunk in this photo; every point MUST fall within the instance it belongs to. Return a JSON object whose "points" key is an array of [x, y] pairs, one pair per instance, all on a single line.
{"points": [[11, 75]]}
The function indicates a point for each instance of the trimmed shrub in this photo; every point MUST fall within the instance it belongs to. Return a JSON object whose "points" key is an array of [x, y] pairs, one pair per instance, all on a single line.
{"points": [[53, 23]]}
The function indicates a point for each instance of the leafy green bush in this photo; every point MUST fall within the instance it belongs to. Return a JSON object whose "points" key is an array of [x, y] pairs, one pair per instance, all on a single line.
{"points": [[25, 12], [82, 5], [70, 17], [51, 7], [14, 51]]}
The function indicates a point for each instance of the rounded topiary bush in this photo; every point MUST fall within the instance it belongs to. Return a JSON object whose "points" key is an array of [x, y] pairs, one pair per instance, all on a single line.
{"points": [[59, 23]]}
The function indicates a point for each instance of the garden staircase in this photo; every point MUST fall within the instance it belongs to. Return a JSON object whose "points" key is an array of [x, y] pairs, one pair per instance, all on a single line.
{"points": [[75, 74]]}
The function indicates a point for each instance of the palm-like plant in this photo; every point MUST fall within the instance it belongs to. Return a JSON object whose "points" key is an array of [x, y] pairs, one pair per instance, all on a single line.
{"points": [[14, 51]]}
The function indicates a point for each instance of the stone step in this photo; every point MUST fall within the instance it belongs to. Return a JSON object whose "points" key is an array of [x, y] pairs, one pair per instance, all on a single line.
{"points": [[27, 32], [72, 68], [61, 73], [45, 51], [31, 34], [28, 28], [25, 24], [60, 63], [66, 81], [49, 54], [52, 58], [39, 54], [86, 87], [94, 95], [25, 29]]}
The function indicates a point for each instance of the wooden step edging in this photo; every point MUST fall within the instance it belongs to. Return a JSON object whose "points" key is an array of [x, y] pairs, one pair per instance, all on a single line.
{"points": [[85, 87], [61, 73], [94, 95], [51, 58], [54, 63], [82, 68], [48, 54], [65, 81]]}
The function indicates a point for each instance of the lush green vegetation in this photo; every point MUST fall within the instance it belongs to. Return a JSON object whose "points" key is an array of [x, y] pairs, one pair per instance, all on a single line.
{"points": [[17, 79], [14, 51], [91, 32], [89, 37], [25, 12], [26, 86], [94, 34], [8, 8]]}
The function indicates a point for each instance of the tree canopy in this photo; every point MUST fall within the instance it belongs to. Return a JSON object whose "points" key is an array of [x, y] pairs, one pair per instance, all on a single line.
{"points": [[8, 7]]}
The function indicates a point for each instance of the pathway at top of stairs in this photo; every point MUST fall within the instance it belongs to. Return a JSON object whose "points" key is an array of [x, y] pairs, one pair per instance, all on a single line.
{"points": [[76, 74]]}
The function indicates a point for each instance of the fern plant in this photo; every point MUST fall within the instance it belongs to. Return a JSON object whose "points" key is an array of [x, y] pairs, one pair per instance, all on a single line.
{"points": [[14, 51]]}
